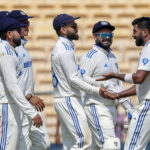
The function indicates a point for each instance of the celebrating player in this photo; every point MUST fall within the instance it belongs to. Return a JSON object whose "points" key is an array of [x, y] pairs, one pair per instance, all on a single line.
{"points": [[67, 83], [101, 113], [139, 131], [38, 136], [12, 99]]}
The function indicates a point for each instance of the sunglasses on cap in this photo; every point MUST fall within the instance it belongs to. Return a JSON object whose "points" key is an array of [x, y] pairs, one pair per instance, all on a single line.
{"points": [[105, 35]]}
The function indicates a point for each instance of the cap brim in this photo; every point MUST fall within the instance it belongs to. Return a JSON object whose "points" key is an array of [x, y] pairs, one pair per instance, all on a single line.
{"points": [[73, 19], [112, 28], [25, 18]]}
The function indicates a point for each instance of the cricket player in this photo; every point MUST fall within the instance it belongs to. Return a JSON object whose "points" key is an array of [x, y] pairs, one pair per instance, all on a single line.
{"points": [[139, 131], [39, 136], [67, 83], [12, 99], [102, 113]]}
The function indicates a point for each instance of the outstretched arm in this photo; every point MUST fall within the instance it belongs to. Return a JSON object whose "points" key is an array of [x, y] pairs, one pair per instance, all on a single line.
{"points": [[126, 93], [136, 78]]}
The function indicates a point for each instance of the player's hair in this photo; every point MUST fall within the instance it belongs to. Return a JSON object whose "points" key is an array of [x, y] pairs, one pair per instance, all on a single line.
{"points": [[58, 32], [3, 35], [142, 22]]}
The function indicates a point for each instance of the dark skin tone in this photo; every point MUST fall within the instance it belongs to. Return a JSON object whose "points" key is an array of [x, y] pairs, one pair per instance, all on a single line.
{"points": [[137, 77]]}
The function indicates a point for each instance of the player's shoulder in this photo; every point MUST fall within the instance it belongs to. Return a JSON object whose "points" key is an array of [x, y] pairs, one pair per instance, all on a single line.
{"points": [[146, 48], [62, 47], [91, 54], [112, 55], [5, 48]]}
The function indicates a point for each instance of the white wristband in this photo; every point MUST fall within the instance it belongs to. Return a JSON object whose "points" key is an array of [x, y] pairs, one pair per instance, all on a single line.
{"points": [[128, 78]]}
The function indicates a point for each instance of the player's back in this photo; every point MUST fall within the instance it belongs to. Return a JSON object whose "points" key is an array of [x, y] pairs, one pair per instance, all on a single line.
{"points": [[61, 84]]}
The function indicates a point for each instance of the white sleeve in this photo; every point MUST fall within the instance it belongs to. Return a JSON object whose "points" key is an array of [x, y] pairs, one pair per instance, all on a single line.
{"points": [[92, 81], [73, 76], [8, 69], [144, 61], [30, 85]]}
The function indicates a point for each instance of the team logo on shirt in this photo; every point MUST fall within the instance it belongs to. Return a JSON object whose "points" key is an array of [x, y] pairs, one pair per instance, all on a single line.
{"points": [[23, 55], [82, 71], [105, 66], [145, 61]]}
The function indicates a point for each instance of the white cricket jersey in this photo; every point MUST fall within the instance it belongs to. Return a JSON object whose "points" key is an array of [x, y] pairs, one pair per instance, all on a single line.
{"points": [[96, 63], [143, 89], [65, 70], [25, 78], [10, 91]]}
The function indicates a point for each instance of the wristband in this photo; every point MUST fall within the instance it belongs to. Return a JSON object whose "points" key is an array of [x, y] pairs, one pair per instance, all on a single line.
{"points": [[29, 98], [128, 78]]}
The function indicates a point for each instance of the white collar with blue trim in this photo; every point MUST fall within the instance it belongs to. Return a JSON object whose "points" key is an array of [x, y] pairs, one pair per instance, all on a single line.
{"points": [[67, 41]]}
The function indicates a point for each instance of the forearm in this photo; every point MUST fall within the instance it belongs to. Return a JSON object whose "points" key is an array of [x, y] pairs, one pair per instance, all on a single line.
{"points": [[93, 81], [119, 76], [129, 92], [76, 82]]}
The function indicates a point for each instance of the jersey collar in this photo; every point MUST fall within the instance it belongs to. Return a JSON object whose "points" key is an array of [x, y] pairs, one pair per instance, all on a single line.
{"points": [[23, 41], [66, 41], [101, 49], [147, 44]]}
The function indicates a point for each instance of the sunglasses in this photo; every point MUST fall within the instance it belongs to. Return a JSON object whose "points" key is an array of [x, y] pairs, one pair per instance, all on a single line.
{"points": [[105, 35]]}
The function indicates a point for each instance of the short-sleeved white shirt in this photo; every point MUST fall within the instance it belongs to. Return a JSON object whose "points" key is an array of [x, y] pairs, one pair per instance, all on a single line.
{"points": [[143, 90]]}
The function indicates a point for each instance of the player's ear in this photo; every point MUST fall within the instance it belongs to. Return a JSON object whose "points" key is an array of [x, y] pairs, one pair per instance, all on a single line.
{"points": [[9, 35], [145, 33], [63, 30], [94, 36]]}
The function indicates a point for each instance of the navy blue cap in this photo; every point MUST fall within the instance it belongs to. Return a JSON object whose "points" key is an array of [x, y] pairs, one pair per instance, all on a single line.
{"points": [[19, 15], [7, 24], [62, 20], [102, 24], [4, 13]]}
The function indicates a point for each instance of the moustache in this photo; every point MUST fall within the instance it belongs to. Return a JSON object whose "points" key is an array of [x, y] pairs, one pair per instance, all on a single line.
{"points": [[108, 40]]}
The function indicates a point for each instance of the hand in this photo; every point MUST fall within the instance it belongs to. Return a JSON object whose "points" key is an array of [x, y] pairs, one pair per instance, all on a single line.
{"points": [[37, 121], [105, 94], [106, 76], [37, 103], [58, 140]]}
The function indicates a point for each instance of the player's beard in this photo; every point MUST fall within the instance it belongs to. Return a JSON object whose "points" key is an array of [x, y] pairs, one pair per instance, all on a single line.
{"points": [[72, 35], [139, 40], [17, 41], [101, 44]]}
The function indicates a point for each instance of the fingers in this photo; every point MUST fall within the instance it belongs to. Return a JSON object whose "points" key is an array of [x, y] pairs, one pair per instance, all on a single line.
{"points": [[37, 121], [101, 79], [37, 103]]}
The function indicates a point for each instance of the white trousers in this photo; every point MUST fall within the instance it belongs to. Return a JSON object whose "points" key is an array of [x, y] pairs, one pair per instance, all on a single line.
{"points": [[102, 120], [139, 129], [10, 126], [76, 134], [32, 138]]}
